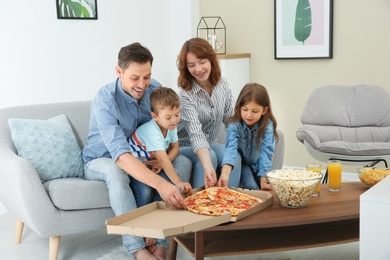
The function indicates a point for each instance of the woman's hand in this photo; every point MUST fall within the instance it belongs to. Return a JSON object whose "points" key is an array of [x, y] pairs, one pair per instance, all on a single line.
{"points": [[210, 178]]}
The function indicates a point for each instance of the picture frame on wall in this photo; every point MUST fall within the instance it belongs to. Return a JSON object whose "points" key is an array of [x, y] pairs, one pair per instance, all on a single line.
{"points": [[303, 29], [77, 9]]}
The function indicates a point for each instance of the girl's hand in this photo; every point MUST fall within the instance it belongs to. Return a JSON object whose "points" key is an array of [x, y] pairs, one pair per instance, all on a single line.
{"points": [[264, 184], [185, 187], [224, 178], [223, 181], [210, 178]]}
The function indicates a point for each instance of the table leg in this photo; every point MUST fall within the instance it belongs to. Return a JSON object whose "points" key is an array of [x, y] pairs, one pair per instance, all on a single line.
{"points": [[172, 252], [199, 245]]}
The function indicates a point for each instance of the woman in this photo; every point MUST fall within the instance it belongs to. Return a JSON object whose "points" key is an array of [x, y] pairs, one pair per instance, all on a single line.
{"points": [[206, 102]]}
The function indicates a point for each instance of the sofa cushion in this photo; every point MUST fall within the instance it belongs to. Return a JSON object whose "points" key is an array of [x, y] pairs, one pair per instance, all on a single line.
{"points": [[50, 146], [347, 106], [77, 193], [364, 141]]}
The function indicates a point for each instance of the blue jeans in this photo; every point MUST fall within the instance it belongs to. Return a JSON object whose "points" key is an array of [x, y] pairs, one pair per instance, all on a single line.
{"points": [[249, 179], [145, 194], [216, 152], [120, 195]]}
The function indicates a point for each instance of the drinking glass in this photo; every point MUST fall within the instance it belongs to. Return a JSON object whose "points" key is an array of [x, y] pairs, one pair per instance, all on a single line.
{"points": [[315, 167], [334, 175]]}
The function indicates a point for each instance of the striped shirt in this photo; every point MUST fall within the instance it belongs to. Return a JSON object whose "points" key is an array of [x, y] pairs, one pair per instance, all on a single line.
{"points": [[148, 138], [202, 115]]}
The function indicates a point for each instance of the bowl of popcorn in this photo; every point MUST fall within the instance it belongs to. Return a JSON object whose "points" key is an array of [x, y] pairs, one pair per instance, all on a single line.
{"points": [[370, 176], [293, 187]]}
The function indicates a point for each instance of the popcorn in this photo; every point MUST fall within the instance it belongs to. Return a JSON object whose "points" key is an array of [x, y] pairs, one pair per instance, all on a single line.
{"points": [[294, 187]]}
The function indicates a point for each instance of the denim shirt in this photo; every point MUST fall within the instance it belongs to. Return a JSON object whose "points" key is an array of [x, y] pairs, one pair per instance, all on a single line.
{"points": [[115, 115], [242, 139]]}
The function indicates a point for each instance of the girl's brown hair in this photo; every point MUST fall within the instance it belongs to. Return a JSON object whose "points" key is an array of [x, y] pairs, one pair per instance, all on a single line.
{"points": [[259, 94], [202, 50]]}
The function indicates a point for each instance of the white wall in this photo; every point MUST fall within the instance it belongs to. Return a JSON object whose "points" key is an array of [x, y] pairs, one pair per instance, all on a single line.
{"points": [[44, 59], [360, 47]]}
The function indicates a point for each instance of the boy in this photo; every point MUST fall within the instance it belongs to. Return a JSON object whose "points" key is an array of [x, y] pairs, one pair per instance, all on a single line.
{"points": [[156, 143]]}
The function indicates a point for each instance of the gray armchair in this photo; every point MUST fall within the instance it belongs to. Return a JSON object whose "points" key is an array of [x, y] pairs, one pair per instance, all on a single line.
{"points": [[57, 207], [348, 123]]}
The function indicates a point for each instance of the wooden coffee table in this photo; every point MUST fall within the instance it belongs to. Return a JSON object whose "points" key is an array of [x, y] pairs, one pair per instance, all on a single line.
{"points": [[332, 218]]}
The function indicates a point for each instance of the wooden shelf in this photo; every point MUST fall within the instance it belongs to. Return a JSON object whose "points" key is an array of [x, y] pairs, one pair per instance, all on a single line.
{"points": [[257, 241], [233, 56]]}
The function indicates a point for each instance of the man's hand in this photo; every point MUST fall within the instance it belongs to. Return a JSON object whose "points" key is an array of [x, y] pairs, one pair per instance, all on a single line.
{"points": [[170, 194]]}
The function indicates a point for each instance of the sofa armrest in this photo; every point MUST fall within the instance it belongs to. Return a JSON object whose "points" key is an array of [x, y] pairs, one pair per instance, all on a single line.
{"points": [[279, 152], [22, 192]]}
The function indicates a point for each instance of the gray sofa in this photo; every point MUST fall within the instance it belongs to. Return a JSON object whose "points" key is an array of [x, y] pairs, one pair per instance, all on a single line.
{"points": [[61, 206]]}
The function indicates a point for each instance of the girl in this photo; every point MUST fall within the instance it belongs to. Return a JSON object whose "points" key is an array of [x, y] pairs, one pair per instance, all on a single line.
{"points": [[251, 132]]}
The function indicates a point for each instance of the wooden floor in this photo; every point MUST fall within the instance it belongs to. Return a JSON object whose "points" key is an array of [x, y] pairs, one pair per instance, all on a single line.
{"points": [[88, 246]]}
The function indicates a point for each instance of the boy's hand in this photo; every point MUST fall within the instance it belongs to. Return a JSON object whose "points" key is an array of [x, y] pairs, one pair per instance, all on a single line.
{"points": [[154, 166], [185, 187], [150, 244], [264, 184]]}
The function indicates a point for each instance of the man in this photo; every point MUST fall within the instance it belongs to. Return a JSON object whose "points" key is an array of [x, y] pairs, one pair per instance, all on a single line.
{"points": [[116, 111]]}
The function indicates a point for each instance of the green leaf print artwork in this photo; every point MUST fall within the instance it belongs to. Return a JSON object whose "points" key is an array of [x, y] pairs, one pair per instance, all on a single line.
{"points": [[302, 28], [77, 8]]}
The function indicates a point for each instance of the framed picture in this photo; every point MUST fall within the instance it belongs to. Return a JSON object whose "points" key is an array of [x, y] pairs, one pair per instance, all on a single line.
{"points": [[77, 9], [303, 29]]}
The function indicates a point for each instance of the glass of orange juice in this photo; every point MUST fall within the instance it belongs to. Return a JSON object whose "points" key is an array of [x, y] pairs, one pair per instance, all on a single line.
{"points": [[334, 175], [314, 167]]}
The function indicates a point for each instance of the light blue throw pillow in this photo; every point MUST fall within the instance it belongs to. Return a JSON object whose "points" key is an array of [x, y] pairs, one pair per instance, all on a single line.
{"points": [[50, 146]]}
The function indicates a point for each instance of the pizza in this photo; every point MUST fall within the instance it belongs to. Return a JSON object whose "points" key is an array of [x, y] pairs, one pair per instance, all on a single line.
{"points": [[215, 201]]}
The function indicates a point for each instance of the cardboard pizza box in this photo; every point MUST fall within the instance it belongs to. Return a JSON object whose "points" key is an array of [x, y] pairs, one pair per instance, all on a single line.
{"points": [[158, 220]]}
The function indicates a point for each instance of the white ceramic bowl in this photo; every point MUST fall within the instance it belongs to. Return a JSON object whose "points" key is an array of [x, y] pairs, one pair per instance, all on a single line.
{"points": [[293, 187]]}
